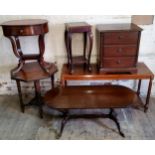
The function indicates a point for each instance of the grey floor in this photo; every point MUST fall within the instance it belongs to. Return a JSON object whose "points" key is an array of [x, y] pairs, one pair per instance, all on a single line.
{"points": [[15, 125]]}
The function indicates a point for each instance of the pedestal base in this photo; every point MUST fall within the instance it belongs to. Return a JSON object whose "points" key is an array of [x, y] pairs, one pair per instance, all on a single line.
{"points": [[66, 117]]}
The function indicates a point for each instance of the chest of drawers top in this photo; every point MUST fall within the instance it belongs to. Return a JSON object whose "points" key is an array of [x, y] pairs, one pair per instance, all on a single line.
{"points": [[118, 46], [117, 27]]}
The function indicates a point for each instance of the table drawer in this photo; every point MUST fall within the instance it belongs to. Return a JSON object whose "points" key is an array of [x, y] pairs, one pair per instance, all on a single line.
{"points": [[25, 30], [119, 62], [119, 50], [120, 38]]}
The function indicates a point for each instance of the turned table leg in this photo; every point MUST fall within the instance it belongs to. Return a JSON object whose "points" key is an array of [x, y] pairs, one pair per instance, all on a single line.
{"points": [[38, 97], [69, 51], [52, 81], [90, 36], [85, 49], [20, 96], [139, 86], [67, 48], [148, 96]]}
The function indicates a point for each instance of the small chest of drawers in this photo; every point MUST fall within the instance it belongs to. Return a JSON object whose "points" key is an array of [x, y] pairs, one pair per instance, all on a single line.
{"points": [[118, 46]]}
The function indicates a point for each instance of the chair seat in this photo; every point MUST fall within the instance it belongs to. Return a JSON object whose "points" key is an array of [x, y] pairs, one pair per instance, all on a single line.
{"points": [[33, 71]]}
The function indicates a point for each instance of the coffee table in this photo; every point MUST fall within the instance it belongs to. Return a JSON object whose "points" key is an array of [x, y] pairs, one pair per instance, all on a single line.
{"points": [[110, 97], [143, 73], [66, 98]]}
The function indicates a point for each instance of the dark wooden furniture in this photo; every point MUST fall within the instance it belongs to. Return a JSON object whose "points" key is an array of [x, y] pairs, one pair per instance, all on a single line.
{"points": [[85, 29], [118, 47], [143, 73], [29, 71], [94, 97], [90, 97]]}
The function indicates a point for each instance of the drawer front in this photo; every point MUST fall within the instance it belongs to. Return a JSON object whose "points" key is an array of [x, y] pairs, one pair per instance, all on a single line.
{"points": [[120, 38], [25, 30], [21, 31], [119, 50], [119, 62]]}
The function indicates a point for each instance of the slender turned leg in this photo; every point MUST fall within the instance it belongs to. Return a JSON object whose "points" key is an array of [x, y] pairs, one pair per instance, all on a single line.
{"points": [[148, 96], [67, 47], [139, 86], [38, 97], [70, 52], [85, 48], [33, 101], [90, 36], [111, 116], [20, 96], [63, 123], [52, 81]]}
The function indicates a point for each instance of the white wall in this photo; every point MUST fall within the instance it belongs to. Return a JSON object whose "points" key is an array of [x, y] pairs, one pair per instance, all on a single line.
{"points": [[55, 48]]}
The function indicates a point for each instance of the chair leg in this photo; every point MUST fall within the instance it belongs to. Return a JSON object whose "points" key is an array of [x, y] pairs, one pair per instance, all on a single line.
{"points": [[38, 97], [20, 96]]}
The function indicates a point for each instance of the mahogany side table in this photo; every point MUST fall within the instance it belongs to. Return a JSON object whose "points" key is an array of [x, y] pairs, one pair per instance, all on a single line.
{"points": [[85, 29], [29, 71]]}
